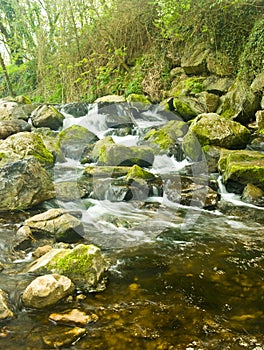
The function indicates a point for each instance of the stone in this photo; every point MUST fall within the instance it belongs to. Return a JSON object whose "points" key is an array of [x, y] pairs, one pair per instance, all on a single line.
{"points": [[63, 337], [137, 98], [24, 145], [75, 316], [47, 116], [7, 109], [209, 101], [188, 107], [58, 223], [126, 156], [24, 184], [92, 152], [5, 310], [76, 109], [167, 138], [258, 83], [74, 139], [47, 290], [216, 85], [194, 59], [84, 265], [69, 191], [110, 99], [13, 126], [212, 129], [241, 167], [253, 194], [260, 120]]}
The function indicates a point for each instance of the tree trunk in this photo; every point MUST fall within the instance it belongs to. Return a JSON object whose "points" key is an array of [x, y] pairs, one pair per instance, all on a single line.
{"points": [[6, 76]]}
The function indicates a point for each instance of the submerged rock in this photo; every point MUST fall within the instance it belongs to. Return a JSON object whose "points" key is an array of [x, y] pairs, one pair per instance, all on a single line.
{"points": [[13, 126], [84, 265], [240, 168], [47, 116], [75, 316], [24, 184], [5, 310], [47, 290], [25, 145], [74, 139], [58, 223], [63, 336]]}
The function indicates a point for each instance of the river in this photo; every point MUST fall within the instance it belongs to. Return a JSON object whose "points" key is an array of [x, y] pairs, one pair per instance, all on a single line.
{"points": [[180, 278]]}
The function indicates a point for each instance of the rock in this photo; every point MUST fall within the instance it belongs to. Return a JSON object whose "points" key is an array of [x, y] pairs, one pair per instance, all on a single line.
{"points": [[76, 109], [47, 116], [5, 310], [212, 129], [188, 107], [7, 109], [13, 126], [128, 156], [239, 104], [75, 316], [209, 101], [41, 251], [23, 238], [69, 191], [109, 99], [253, 194], [74, 139], [212, 155], [260, 120], [63, 337], [138, 100], [258, 83], [47, 290], [240, 168], [167, 139], [84, 265], [194, 59], [216, 85], [190, 191], [91, 153], [24, 145], [24, 184], [257, 144], [117, 116], [58, 223]]}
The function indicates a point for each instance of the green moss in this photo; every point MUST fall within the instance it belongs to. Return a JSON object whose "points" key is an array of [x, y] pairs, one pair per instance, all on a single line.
{"points": [[183, 108], [194, 85], [138, 98], [136, 172]]}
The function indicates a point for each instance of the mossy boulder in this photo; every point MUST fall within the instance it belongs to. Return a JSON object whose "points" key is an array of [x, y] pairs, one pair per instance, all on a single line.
{"points": [[167, 139], [74, 139], [241, 167], [92, 152], [253, 194], [127, 156], [51, 142], [47, 116], [136, 98], [240, 103], [187, 107], [194, 59], [84, 265], [24, 145]]}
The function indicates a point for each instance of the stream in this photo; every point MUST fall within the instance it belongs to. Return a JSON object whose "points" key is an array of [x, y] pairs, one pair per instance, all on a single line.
{"points": [[181, 277]]}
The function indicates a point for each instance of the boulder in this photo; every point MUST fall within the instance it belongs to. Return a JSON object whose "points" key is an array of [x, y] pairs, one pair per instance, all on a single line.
{"points": [[76, 109], [260, 120], [167, 139], [74, 139], [190, 191], [127, 156], [5, 310], [13, 126], [258, 83], [84, 265], [92, 152], [47, 290], [58, 223], [24, 145], [239, 104], [253, 194], [212, 129], [7, 108], [194, 59], [109, 99], [24, 184], [216, 85], [47, 116], [187, 107], [241, 167], [69, 191]]}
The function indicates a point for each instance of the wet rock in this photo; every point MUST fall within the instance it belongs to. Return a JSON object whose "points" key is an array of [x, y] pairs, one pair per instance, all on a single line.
{"points": [[69, 191], [257, 144], [47, 290], [84, 265], [76, 109], [209, 101], [23, 238], [13, 126], [240, 168], [239, 104], [74, 139], [58, 223], [47, 116], [212, 155], [5, 310], [63, 336], [253, 194], [25, 145], [41, 251], [92, 152], [212, 129], [24, 184], [128, 156], [167, 139], [190, 191], [75, 316]]}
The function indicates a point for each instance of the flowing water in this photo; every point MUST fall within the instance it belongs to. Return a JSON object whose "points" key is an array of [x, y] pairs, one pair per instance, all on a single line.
{"points": [[180, 277]]}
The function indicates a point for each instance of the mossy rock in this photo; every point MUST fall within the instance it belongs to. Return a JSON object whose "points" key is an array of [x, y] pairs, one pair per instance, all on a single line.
{"points": [[132, 98], [168, 135], [47, 116], [242, 167], [24, 145], [136, 172], [212, 129], [187, 107], [92, 152]]}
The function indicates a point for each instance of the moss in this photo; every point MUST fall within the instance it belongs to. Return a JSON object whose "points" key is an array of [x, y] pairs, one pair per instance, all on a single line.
{"points": [[194, 85], [138, 98], [183, 108], [136, 172]]}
